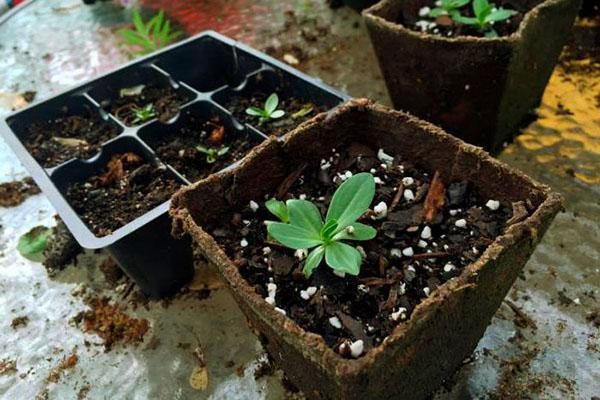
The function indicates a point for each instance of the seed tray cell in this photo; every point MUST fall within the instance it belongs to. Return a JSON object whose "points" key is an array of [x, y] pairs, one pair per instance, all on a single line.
{"points": [[188, 87]]}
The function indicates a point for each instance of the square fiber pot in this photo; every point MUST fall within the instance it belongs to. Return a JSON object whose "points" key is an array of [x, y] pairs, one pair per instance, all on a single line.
{"points": [[446, 327], [479, 89]]}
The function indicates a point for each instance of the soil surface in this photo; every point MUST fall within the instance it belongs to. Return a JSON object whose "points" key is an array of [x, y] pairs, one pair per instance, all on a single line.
{"points": [[58, 140], [276, 127], [445, 26], [16, 192], [128, 188], [179, 148], [403, 265], [165, 100]]}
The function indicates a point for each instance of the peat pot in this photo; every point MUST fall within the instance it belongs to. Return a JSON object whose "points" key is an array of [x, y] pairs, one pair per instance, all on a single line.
{"points": [[445, 326], [477, 88]]}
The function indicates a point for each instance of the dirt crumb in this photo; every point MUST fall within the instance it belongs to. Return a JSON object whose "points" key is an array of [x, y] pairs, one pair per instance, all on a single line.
{"points": [[19, 322], [108, 321], [111, 271], [7, 367], [16, 192]]}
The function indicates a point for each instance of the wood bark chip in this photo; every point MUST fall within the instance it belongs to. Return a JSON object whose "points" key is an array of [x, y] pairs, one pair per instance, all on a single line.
{"points": [[397, 198], [435, 198], [289, 181], [114, 168], [519, 213], [391, 300], [217, 134]]}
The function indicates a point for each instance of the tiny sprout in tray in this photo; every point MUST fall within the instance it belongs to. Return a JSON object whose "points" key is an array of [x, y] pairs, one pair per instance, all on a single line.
{"points": [[269, 111], [212, 154], [302, 227], [143, 114], [447, 7], [485, 15]]}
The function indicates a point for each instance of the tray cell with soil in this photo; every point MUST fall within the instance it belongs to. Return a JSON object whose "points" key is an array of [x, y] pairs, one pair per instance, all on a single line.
{"points": [[402, 294], [295, 103], [202, 141], [62, 129], [479, 75], [138, 95], [209, 64]]}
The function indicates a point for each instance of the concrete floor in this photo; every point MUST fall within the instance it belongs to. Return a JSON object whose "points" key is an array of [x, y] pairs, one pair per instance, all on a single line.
{"points": [[555, 356]]}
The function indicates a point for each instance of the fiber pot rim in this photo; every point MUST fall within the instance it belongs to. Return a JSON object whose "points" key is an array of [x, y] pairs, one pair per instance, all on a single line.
{"points": [[373, 14], [316, 348]]}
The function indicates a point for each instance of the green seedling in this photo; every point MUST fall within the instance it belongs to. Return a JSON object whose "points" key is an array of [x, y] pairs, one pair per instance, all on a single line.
{"points": [[302, 227], [486, 14], [303, 112], [448, 7], [270, 110], [150, 36], [142, 114], [212, 154]]}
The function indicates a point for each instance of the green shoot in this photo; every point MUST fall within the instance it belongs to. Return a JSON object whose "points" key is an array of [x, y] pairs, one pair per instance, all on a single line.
{"points": [[270, 110], [447, 7], [485, 15], [33, 243], [143, 114], [304, 111], [150, 36], [212, 154], [303, 228]]}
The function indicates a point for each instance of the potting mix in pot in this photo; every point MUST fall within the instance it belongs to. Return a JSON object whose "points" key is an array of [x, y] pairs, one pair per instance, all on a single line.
{"points": [[138, 104], [202, 147], [57, 140], [349, 247], [453, 18], [271, 113], [128, 187]]}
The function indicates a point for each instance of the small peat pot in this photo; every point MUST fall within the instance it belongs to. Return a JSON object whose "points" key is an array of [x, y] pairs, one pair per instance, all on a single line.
{"points": [[454, 73], [414, 239], [110, 153]]}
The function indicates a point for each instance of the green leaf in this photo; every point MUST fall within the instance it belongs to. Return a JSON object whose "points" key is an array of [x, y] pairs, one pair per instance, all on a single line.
{"points": [[255, 111], [164, 34], [277, 114], [304, 111], [343, 258], [465, 20], [491, 34], [360, 232], [223, 150], [139, 24], [32, 244], [305, 214], [436, 12], [157, 20], [293, 236], [500, 15], [132, 37], [313, 260], [352, 199], [278, 208], [459, 3], [271, 103], [329, 229], [202, 149]]}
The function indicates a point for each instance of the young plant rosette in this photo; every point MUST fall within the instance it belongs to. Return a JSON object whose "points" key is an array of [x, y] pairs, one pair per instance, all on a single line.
{"points": [[445, 327], [481, 89]]}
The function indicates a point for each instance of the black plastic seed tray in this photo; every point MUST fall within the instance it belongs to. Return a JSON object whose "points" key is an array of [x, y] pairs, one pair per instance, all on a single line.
{"points": [[200, 77]]}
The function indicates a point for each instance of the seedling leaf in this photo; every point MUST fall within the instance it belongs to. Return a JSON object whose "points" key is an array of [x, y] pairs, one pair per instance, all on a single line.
{"points": [[271, 103], [343, 258], [303, 213], [278, 208], [32, 244], [293, 236], [356, 231], [313, 260], [277, 114], [352, 199]]}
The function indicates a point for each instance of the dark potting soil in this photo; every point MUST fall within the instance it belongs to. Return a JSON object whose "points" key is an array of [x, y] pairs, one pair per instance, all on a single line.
{"points": [[445, 26], [128, 188], [165, 100], [58, 140], [402, 266], [179, 149], [276, 127]]}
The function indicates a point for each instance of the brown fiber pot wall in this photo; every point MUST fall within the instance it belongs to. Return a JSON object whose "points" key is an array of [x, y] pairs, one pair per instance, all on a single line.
{"points": [[479, 89], [445, 328]]}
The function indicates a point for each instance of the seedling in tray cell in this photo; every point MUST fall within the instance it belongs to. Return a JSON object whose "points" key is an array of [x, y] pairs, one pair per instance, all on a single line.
{"points": [[485, 15], [212, 153], [302, 226], [269, 111], [148, 37], [143, 114], [447, 7]]}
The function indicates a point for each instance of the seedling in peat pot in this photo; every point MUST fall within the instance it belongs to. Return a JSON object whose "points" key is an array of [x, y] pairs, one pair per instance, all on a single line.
{"points": [[150, 36], [447, 7], [212, 154], [485, 15], [270, 110], [143, 114], [302, 226]]}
